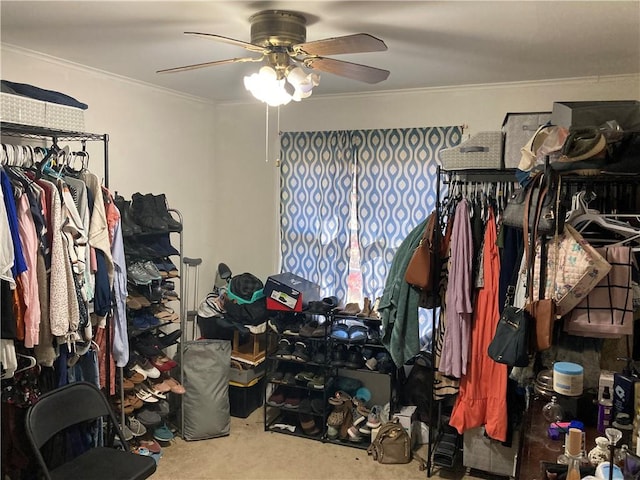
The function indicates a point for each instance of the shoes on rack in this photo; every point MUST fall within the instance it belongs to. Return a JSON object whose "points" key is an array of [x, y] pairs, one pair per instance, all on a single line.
{"points": [[162, 210], [276, 399], [143, 209], [308, 424], [317, 382], [300, 352], [138, 275], [354, 359], [285, 349], [150, 444], [152, 270], [354, 434], [304, 377], [366, 309], [384, 362], [292, 401], [350, 309], [128, 225], [340, 332], [319, 355], [136, 427], [148, 417], [339, 355], [357, 333], [163, 434], [374, 313]]}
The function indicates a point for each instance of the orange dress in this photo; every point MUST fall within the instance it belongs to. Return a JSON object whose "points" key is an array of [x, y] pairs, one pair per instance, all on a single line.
{"points": [[483, 390]]}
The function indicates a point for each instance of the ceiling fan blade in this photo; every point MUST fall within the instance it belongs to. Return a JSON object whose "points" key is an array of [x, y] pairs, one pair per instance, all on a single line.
{"points": [[232, 41], [209, 64], [355, 71], [356, 43]]}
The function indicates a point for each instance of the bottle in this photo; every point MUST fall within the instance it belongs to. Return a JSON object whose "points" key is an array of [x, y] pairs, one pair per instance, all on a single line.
{"points": [[605, 411], [574, 447], [552, 411]]}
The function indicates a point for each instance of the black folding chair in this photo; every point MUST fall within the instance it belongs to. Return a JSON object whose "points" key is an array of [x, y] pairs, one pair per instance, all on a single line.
{"points": [[73, 404]]}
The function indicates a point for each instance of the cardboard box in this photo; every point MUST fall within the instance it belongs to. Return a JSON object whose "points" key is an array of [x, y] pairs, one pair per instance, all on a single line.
{"points": [[408, 418], [289, 292]]}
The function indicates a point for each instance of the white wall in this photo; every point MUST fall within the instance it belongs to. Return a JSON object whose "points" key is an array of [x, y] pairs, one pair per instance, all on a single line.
{"points": [[159, 141], [210, 160], [240, 141]]}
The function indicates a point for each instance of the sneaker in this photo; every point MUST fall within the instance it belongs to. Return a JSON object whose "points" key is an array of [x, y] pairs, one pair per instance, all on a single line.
{"points": [[163, 434], [284, 349], [152, 270], [332, 432], [151, 445], [300, 352], [136, 427], [148, 417], [138, 275], [127, 433], [277, 398], [354, 434], [373, 419], [364, 430]]}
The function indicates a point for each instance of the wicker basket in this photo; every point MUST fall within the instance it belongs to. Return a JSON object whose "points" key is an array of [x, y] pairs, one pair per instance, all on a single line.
{"points": [[482, 151]]}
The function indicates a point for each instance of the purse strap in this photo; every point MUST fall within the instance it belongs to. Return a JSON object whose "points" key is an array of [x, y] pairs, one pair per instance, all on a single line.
{"points": [[530, 242]]}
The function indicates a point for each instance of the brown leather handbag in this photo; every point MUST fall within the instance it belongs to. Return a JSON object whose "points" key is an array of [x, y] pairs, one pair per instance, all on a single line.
{"points": [[542, 310], [420, 269]]}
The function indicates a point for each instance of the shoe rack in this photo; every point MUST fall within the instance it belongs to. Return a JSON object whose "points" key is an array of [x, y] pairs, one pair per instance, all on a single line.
{"points": [[153, 310], [298, 374], [345, 350]]}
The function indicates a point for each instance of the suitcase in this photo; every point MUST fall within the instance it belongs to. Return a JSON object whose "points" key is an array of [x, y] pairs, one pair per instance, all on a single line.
{"points": [[517, 129]]}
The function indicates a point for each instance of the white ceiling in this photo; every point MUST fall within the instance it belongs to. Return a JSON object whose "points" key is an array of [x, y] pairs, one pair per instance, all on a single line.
{"points": [[430, 44]]}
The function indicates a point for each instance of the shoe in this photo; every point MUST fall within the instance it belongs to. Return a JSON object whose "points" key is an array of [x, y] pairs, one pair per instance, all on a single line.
{"points": [[374, 309], [354, 434], [313, 329], [340, 398], [136, 426], [340, 332], [285, 349], [354, 358], [162, 211], [144, 394], [145, 367], [373, 335], [350, 309], [152, 270], [308, 424], [300, 352], [163, 434], [332, 432], [292, 401], [169, 339], [127, 433], [148, 417], [319, 356], [339, 355], [385, 363], [151, 445], [358, 333], [144, 213], [175, 386], [129, 227], [337, 416], [138, 275], [276, 399], [366, 309], [373, 419], [164, 363], [317, 382], [304, 377]]}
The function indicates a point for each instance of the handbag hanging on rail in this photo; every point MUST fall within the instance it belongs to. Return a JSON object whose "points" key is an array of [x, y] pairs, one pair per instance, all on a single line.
{"points": [[424, 260], [543, 309], [510, 344]]}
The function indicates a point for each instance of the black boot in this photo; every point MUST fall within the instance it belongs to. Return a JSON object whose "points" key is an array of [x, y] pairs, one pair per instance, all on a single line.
{"points": [[129, 227], [144, 213], [163, 212]]}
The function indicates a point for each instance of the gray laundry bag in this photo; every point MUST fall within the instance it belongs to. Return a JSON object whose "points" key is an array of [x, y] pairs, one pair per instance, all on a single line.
{"points": [[205, 404]]}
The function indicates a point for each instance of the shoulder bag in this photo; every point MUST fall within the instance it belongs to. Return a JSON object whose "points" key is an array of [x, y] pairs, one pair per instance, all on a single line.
{"points": [[422, 264], [510, 344]]}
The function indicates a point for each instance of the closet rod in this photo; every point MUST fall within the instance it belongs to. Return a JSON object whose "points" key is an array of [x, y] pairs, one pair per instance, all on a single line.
{"points": [[30, 131]]}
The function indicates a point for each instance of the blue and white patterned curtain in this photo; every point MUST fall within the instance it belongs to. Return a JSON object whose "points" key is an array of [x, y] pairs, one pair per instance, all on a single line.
{"points": [[396, 178], [396, 189], [315, 184]]}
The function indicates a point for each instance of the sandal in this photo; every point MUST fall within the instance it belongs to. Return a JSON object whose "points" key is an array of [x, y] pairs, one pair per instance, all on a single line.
{"points": [[175, 385], [308, 425], [339, 398]]}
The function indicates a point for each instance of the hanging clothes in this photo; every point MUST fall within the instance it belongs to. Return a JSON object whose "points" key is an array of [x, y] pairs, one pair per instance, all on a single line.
{"points": [[482, 399], [459, 309]]}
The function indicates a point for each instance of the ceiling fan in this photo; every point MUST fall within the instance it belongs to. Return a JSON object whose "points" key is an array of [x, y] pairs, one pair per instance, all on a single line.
{"points": [[279, 39]]}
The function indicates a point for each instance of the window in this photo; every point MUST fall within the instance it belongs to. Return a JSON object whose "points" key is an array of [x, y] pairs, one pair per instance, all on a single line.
{"points": [[349, 198]]}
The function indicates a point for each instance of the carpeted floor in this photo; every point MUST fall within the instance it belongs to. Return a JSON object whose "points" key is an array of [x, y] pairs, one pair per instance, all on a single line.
{"points": [[251, 453]]}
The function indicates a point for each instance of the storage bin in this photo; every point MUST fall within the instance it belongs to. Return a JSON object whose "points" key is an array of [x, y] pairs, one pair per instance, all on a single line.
{"points": [[482, 151], [245, 399], [518, 128], [22, 110]]}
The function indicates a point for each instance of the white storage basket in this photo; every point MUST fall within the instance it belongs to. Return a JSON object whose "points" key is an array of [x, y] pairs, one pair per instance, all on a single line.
{"points": [[482, 151]]}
